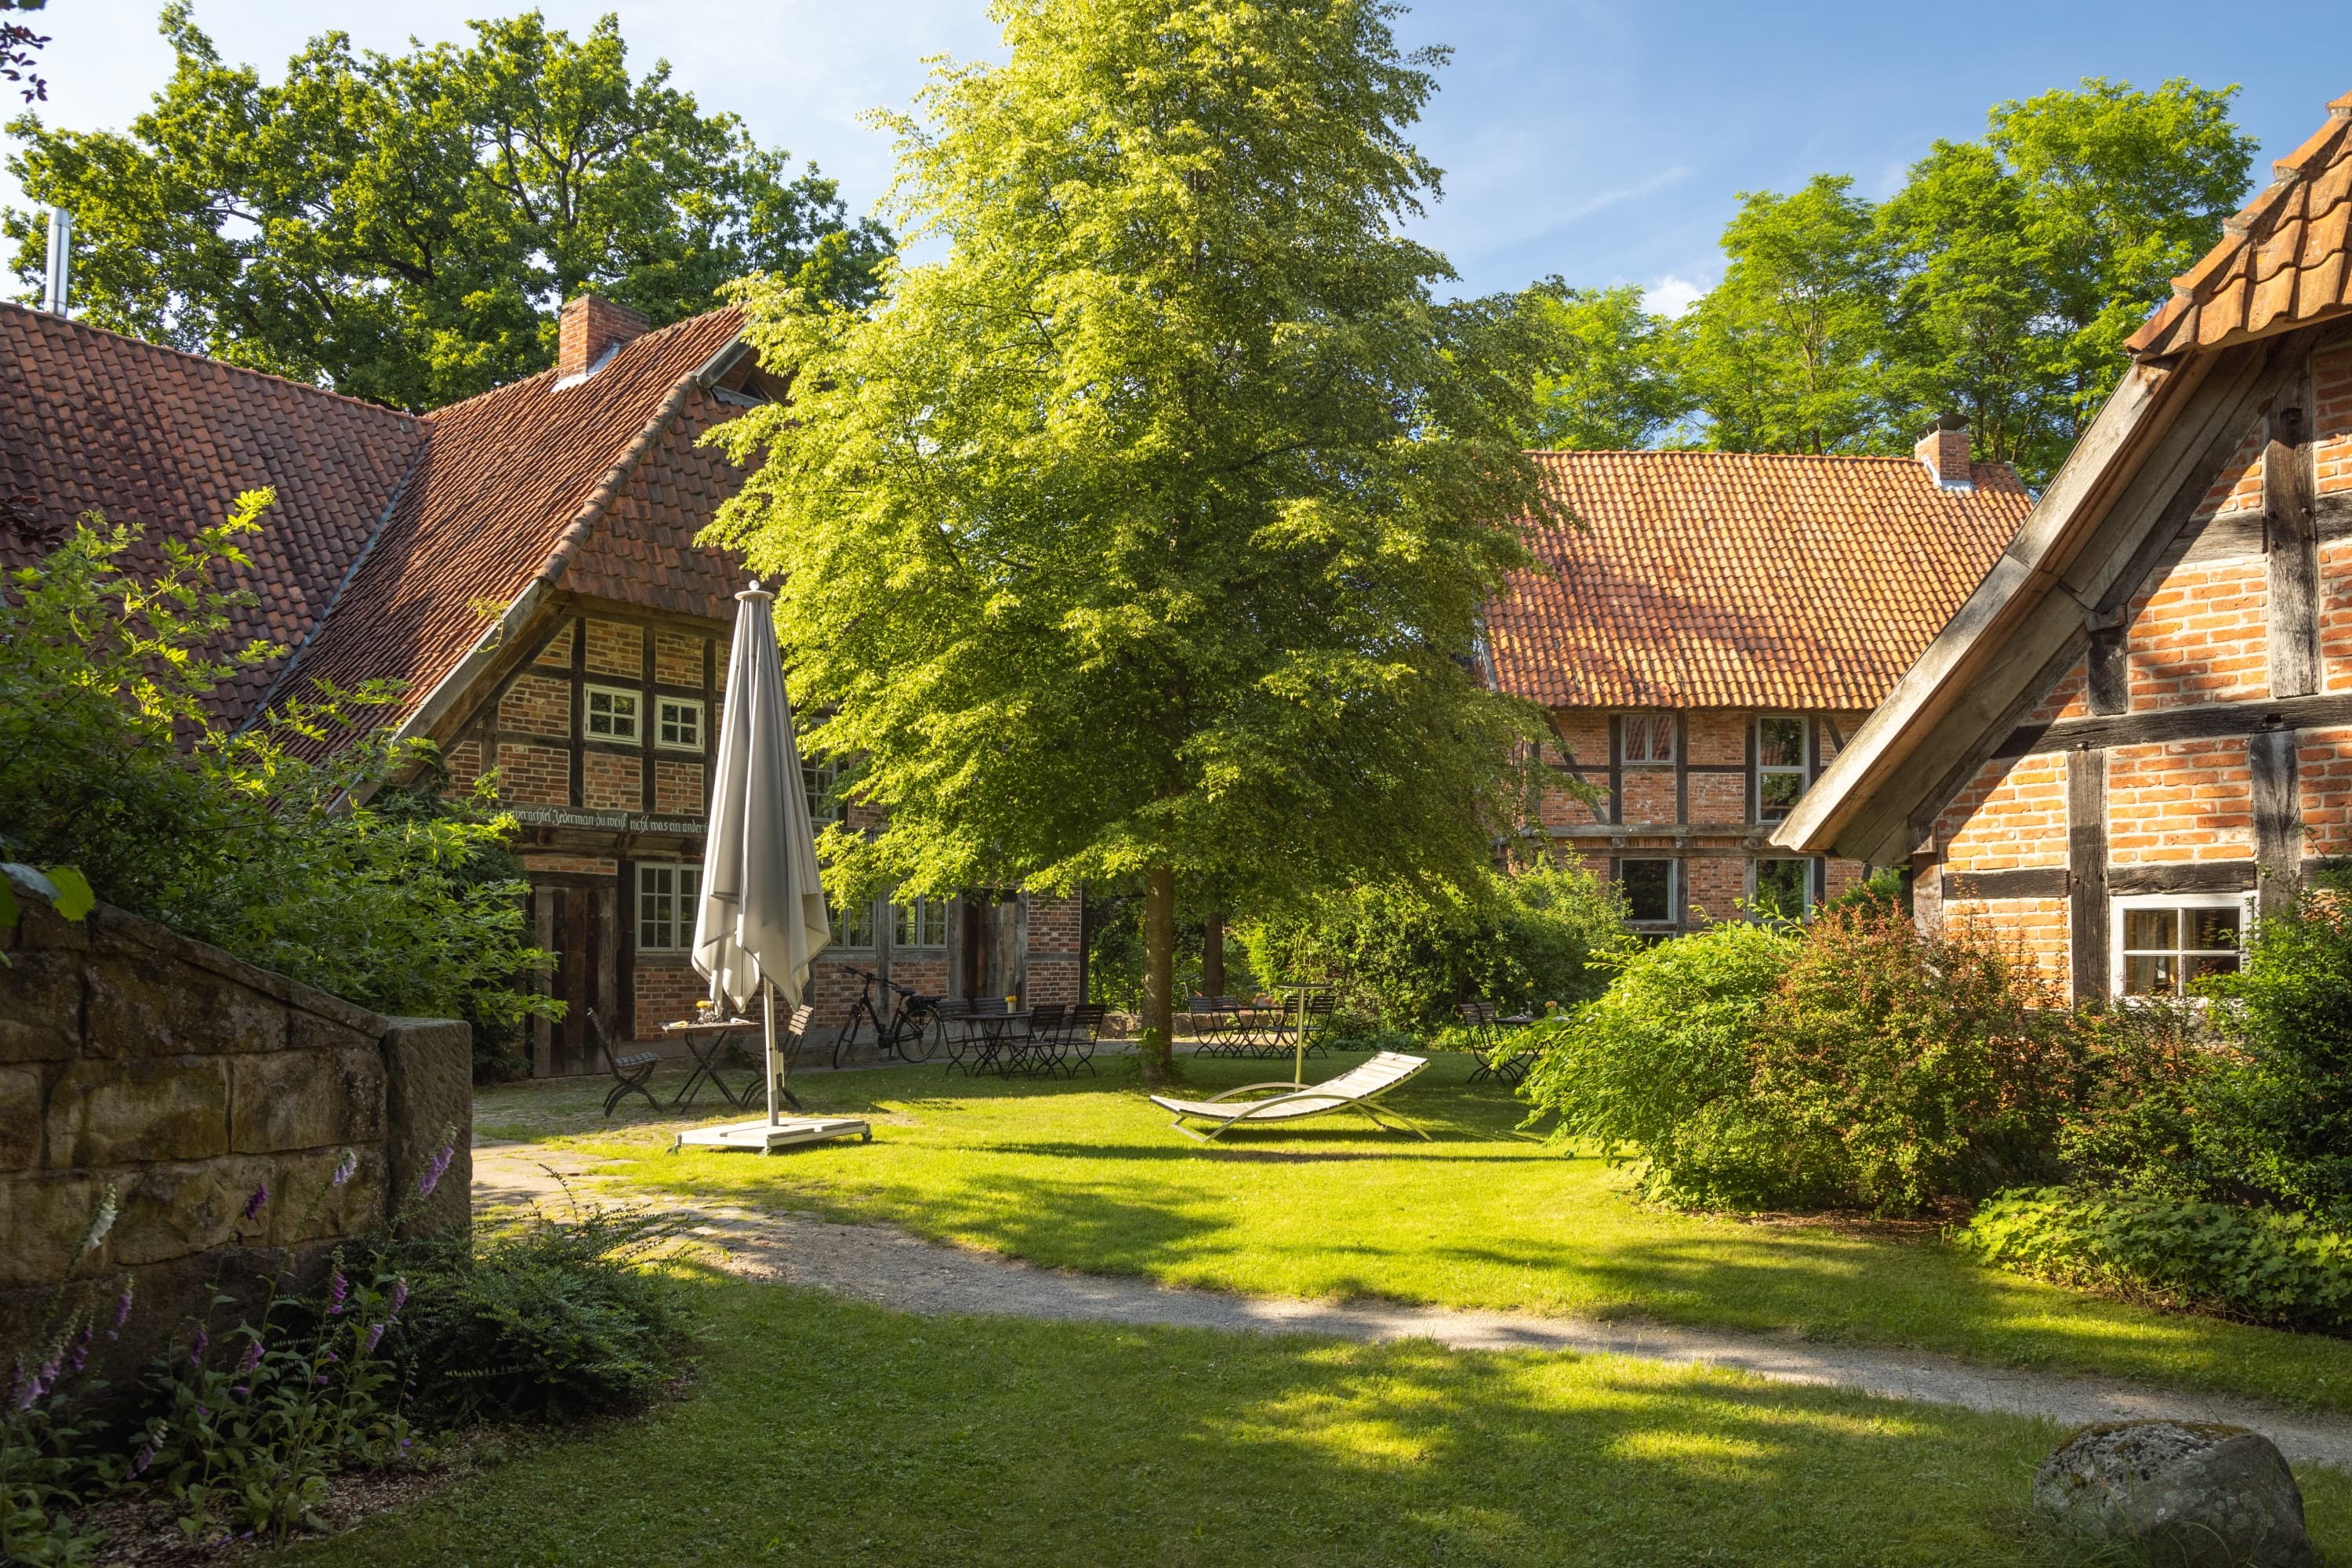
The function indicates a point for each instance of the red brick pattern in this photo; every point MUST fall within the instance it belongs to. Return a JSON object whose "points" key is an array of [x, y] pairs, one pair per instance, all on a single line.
{"points": [[615, 647], [2070, 699], [2199, 636], [586, 326], [537, 705], [465, 763], [609, 783], [2323, 778], [1717, 799], [534, 775], [2283, 261], [573, 865], [2239, 486], [2012, 814], [2186, 800], [678, 659], [1716, 736], [678, 788], [1649, 797], [2336, 613], [1715, 885], [1742, 580], [2041, 928], [2331, 430], [557, 650], [667, 987]]}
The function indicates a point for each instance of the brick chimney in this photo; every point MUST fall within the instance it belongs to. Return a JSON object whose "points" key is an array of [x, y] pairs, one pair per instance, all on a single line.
{"points": [[586, 330], [1945, 452]]}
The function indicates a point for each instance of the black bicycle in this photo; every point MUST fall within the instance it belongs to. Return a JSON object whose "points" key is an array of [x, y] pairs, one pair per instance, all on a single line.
{"points": [[908, 1036]]}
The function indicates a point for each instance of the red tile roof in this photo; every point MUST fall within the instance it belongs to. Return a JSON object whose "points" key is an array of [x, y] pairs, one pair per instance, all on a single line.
{"points": [[398, 531], [1742, 580], [92, 421], [2283, 261]]}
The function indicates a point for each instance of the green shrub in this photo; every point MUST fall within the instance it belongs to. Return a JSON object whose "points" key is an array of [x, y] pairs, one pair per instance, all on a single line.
{"points": [[113, 761], [557, 1319], [2252, 1264], [1409, 958], [1659, 1066]]}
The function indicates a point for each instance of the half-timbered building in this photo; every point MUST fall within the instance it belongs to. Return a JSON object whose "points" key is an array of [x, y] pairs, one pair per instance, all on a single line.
{"points": [[524, 564], [2138, 731], [1707, 632]]}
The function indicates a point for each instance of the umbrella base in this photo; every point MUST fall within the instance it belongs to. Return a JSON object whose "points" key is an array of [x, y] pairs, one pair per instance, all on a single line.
{"points": [[765, 1138]]}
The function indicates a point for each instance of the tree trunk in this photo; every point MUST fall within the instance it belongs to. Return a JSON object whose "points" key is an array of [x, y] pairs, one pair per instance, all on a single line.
{"points": [[1156, 1049], [1212, 956]]}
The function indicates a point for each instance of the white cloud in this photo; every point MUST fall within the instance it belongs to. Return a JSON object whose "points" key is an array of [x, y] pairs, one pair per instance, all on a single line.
{"points": [[1670, 296]]}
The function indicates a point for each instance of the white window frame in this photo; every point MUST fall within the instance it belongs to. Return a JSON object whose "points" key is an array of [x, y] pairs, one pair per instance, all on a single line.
{"points": [[1803, 770], [684, 879], [839, 915], [629, 694], [918, 913], [662, 721], [818, 778], [1625, 758], [2116, 907], [1673, 888], [1812, 865]]}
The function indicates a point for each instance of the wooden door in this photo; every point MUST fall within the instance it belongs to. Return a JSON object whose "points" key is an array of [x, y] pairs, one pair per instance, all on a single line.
{"points": [[992, 934], [582, 924]]}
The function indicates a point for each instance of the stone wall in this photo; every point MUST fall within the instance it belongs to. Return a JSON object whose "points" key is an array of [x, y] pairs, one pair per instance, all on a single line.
{"points": [[137, 1062]]}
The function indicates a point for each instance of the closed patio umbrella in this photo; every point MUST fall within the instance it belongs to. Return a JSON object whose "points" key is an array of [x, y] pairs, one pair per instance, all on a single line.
{"points": [[760, 920]]}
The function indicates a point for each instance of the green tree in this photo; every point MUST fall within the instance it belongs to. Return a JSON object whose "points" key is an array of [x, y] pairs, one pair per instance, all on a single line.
{"points": [[1610, 380], [401, 227], [1788, 353], [1145, 532]]}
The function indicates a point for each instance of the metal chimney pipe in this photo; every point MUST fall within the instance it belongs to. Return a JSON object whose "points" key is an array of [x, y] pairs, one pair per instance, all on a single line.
{"points": [[61, 261]]}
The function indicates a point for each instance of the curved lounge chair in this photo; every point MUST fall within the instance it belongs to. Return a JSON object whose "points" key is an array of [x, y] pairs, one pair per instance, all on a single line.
{"points": [[1359, 1089]]}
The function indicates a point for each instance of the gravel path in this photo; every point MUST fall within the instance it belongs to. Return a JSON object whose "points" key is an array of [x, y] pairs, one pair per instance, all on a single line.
{"points": [[890, 1268]]}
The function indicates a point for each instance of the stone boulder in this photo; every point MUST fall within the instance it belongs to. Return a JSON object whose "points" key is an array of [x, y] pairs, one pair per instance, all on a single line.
{"points": [[2187, 1494]]}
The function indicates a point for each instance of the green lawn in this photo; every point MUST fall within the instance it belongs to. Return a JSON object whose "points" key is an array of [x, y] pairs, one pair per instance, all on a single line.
{"points": [[1089, 1176], [823, 1431]]}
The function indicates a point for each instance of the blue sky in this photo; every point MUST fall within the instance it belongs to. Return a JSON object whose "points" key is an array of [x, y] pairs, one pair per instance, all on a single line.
{"points": [[1607, 142]]}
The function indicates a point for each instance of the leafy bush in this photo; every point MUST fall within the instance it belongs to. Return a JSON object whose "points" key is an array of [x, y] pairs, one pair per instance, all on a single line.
{"points": [[112, 760], [556, 1319], [1410, 958], [2254, 1264], [1659, 1065]]}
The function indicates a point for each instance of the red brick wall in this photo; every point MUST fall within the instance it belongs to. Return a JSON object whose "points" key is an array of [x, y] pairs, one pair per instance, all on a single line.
{"points": [[2199, 636], [2070, 699], [1056, 927], [1718, 799], [575, 865], [2186, 800], [557, 650], [2239, 486], [465, 762], [1649, 795], [616, 649], [1715, 885], [677, 787], [534, 775], [678, 659], [2331, 375], [608, 783], [667, 987], [2324, 775], [2011, 814], [537, 705], [1717, 735], [2041, 928], [927, 977], [1840, 876], [2336, 614]]}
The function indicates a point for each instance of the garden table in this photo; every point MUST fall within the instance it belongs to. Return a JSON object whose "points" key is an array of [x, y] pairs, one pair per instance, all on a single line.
{"points": [[996, 1038], [706, 1042]]}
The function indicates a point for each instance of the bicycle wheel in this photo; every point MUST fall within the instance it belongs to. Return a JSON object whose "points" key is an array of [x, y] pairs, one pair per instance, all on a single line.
{"points": [[916, 1046]]}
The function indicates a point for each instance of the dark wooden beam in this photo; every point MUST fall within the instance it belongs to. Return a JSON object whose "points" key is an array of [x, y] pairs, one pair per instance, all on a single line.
{"points": [[2086, 864], [1682, 767], [2033, 883], [2278, 827], [2109, 672], [2183, 877], [2292, 541], [2206, 722], [1616, 768]]}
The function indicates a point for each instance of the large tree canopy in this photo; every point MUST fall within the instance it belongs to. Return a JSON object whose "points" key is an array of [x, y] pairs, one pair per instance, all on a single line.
{"points": [[1145, 534], [401, 227]]}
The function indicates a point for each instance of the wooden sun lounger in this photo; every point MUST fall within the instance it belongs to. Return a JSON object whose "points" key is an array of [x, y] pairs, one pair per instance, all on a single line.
{"points": [[1358, 1090]]}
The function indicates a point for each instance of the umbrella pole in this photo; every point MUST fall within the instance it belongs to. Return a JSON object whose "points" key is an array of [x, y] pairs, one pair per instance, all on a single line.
{"points": [[1298, 1068], [767, 999]]}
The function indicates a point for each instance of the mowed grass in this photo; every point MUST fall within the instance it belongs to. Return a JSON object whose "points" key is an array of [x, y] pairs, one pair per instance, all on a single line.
{"points": [[1089, 1176], [824, 1431]]}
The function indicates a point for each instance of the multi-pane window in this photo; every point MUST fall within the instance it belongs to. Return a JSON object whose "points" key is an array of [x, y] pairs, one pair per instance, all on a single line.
{"points": [[665, 895], [1649, 890], [819, 779], [677, 724], [2164, 946], [612, 714], [920, 922], [1781, 755], [852, 924], [1783, 888], [1647, 736]]}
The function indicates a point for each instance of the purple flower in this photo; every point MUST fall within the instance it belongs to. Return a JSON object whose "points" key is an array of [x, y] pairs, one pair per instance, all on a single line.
{"points": [[320, 1380], [436, 1171], [253, 1205], [122, 1306], [350, 1167], [146, 1458], [337, 1286], [251, 1359], [81, 1345], [399, 1294], [196, 1348], [205, 1410], [374, 1337]]}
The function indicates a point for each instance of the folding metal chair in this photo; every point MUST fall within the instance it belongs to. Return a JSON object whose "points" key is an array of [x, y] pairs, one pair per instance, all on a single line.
{"points": [[629, 1072]]}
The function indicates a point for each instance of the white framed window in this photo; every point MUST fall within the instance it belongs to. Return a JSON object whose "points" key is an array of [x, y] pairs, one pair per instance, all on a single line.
{"points": [[919, 922], [2164, 943], [1783, 759], [613, 713], [1646, 737], [1782, 887], [852, 924], [665, 895], [677, 724], [1649, 887], [819, 778]]}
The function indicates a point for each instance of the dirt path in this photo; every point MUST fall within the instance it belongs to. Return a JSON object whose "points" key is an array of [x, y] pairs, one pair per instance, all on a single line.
{"points": [[890, 1268]]}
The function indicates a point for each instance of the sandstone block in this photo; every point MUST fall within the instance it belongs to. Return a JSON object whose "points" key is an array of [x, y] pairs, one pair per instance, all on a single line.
{"points": [[41, 1005], [2183, 1494], [152, 1006], [45, 1215], [305, 1100], [172, 1209], [308, 1205], [20, 1117], [429, 1106], [124, 1112]]}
